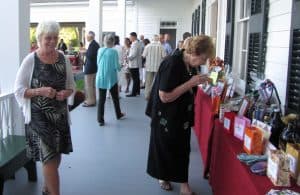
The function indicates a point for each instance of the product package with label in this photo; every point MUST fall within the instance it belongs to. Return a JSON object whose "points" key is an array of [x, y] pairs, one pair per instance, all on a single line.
{"points": [[253, 140], [278, 168], [229, 121], [240, 124], [293, 153]]}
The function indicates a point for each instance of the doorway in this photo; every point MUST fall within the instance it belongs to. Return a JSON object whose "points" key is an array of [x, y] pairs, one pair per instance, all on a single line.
{"points": [[172, 33]]}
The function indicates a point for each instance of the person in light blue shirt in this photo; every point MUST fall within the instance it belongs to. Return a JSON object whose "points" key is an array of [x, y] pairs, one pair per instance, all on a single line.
{"points": [[107, 78], [167, 46]]}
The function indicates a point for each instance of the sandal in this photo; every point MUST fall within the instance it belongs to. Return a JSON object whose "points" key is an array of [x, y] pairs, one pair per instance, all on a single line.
{"points": [[165, 185], [88, 105], [188, 193]]}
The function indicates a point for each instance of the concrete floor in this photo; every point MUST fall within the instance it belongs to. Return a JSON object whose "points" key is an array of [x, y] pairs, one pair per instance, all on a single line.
{"points": [[110, 160]]}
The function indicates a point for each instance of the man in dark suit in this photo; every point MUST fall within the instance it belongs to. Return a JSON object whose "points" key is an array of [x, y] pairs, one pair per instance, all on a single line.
{"points": [[90, 70], [62, 46]]}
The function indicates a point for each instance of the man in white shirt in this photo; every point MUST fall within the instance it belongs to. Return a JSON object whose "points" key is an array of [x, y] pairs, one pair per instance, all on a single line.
{"points": [[135, 62], [154, 54]]}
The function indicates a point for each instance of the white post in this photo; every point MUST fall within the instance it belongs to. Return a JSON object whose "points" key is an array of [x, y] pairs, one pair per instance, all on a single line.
{"points": [[15, 22], [94, 19], [122, 15], [221, 34]]}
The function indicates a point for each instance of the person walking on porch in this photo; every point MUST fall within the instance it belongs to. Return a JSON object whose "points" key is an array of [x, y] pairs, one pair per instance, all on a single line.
{"points": [[43, 83]]}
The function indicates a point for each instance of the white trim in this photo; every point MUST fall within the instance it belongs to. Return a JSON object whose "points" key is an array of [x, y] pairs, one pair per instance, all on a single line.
{"points": [[86, 3], [243, 19]]}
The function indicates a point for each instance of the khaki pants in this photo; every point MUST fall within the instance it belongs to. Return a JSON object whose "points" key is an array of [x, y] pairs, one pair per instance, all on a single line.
{"points": [[148, 83], [90, 89]]}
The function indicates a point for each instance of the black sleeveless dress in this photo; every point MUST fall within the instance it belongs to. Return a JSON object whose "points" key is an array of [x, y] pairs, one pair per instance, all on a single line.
{"points": [[48, 133]]}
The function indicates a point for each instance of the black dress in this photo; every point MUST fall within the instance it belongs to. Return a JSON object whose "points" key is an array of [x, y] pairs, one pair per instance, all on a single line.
{"points": [[48, 133], [171, 123]]}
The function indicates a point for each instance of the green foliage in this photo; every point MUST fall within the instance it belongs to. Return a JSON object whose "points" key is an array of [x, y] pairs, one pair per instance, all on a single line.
{"points": [[69, 34], [80, 85], [32, 31]]}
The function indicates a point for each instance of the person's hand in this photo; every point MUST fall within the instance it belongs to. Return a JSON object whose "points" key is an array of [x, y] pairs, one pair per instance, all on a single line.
{"points": [[47, 92], [63, 94], [199, 79]]}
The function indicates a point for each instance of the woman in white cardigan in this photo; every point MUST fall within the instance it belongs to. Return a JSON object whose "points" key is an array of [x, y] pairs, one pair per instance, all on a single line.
{"points": [[44, 82]]}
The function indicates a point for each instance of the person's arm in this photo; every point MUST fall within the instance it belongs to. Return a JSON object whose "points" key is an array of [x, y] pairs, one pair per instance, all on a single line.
{"points": [[133, 52], [116, 58], [163, 52], [171, 96], [145, 52]]}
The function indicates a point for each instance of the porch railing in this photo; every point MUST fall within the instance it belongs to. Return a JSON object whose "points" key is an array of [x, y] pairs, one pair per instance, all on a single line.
{"points": [[11, 118]]}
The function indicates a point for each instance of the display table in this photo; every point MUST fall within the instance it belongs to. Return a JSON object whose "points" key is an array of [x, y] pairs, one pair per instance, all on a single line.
{"points": [[227, 174], [203, 127]]}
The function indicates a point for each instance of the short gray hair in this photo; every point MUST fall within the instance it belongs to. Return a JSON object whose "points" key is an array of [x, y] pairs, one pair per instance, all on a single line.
{"points": [[46, 27], [91, 33], [109, 40], [155, 37]]}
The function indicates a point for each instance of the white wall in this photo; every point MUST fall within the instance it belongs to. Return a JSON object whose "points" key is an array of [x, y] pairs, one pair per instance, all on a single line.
{"points": [[14, 19], [278, 42], [150, 13], [144, 17]]}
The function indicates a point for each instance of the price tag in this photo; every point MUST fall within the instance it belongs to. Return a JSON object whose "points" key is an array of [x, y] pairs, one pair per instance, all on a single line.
{"points": [[272, 169], [293, 165], [247, 142], [227, 123]]}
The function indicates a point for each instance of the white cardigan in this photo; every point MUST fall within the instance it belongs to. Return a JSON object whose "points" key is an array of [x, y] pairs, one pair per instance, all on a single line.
{"points": [[23, 82]]}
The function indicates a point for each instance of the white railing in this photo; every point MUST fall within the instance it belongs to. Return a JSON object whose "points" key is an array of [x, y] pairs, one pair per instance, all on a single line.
{"points": [[11, 118]]}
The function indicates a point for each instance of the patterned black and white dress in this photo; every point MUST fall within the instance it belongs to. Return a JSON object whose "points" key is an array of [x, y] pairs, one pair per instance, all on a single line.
{"points": [[48, 133]]}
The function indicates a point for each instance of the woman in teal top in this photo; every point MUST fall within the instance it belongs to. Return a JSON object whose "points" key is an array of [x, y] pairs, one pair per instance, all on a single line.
{"points": [[106, 77]]}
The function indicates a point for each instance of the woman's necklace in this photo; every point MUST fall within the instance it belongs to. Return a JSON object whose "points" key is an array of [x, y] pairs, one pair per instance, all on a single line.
{"points": [[47, 58]]}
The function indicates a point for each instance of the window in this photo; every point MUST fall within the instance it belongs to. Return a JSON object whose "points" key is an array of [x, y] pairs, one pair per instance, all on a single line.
{"points": [[203, 16], [293, 85], [243, 8], [258, 22], [229, 32], [196, 21], [250, 40]]}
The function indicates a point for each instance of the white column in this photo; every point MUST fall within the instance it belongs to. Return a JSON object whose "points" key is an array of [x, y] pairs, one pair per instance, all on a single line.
{"points": [[15, 22], [221, 31], [122, 22], [94, 19]]}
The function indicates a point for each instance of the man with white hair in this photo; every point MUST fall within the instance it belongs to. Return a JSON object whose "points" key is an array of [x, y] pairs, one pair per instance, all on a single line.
{"points": [[90, 69], [153, 53]]}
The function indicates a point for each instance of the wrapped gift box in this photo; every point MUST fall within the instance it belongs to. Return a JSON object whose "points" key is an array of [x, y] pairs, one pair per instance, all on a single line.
{"points": [[293, 153], [240, 124], [278, 168], [253, 141], [229, 121]]}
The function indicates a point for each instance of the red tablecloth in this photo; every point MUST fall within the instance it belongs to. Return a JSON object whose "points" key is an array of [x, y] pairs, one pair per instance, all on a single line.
{"points": [[228, 175], [204, 120]]}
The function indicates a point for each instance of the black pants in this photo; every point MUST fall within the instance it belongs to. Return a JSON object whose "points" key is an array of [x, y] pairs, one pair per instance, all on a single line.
{"points": [[114, 91], [135, 74]]}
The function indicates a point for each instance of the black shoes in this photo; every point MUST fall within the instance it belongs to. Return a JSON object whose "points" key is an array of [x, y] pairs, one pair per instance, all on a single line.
{"points": [[101, 123], [121, 116], [130, 95]]}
